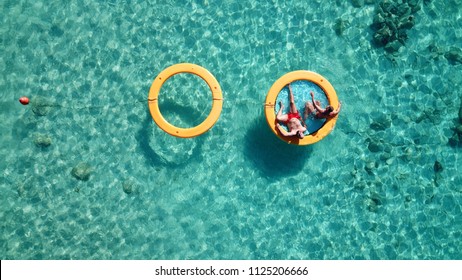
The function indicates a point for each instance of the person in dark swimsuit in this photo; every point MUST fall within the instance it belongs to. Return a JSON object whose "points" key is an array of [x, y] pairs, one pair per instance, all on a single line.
{"points": [[314, 108], [293, 120]]}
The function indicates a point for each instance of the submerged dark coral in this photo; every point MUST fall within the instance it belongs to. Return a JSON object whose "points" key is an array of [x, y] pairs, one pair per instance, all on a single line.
{"points": [[438, 167], [129, 186], [81, 171], [460, 112], [42, 140], [454, 55], [340, 26], [392, 20], [456, 139], [41, 106]]}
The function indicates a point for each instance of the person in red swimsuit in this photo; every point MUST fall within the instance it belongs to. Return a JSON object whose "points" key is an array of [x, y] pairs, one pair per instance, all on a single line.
{"points": [[293, 120]]}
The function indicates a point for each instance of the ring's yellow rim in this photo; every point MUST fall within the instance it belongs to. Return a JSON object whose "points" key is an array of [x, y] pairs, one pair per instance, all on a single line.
{"points": [[216, 96], [272, 95]]}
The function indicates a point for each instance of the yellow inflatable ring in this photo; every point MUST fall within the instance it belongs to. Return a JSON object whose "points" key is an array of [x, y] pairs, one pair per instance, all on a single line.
{"points": [[216, 96], [270, 103]]}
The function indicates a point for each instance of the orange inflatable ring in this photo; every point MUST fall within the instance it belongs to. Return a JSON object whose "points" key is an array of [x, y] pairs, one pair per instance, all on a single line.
{"points": [[270, 103], [217, 98]]}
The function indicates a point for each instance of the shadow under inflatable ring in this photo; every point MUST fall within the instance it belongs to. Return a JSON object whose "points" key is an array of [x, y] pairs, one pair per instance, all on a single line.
{"points": [[272, 95], [217, 97]]}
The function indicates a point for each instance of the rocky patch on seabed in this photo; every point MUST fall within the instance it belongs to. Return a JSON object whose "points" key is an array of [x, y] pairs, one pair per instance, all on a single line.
{"points": [[392, 20], [456, 139]]}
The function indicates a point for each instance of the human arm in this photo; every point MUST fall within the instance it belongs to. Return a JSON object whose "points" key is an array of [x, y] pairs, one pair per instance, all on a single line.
{"points": [[284, 132], [315, 104], [338, 109], [303, 123]]}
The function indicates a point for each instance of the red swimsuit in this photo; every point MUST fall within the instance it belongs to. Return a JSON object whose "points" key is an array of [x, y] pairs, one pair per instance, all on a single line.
{"points": [[293, 115]]}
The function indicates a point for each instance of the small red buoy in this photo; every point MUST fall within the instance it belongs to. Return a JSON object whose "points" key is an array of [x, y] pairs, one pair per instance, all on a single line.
{"points": [[24, 100]]}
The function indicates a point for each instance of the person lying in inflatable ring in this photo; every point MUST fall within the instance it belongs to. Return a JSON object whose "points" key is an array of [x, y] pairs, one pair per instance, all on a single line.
{"points": [[314, 108], [293, 120]]}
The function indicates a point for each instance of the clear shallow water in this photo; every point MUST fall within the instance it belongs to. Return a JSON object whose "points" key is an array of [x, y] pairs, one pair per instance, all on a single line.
{"points": [[184, 100], [369, 190]]}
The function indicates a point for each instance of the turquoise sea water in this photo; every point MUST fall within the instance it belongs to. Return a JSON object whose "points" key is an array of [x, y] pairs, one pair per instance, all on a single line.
{"points": [[385, 184]]}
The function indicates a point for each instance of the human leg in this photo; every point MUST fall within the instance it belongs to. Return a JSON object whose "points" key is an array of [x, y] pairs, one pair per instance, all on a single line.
{"points": [[280, 116], [293, 108], [309, 109]]}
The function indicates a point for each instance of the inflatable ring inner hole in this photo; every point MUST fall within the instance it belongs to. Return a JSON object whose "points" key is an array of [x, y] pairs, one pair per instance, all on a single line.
{"points": [[184, 100], [301, 90]]}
